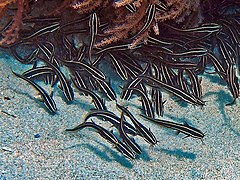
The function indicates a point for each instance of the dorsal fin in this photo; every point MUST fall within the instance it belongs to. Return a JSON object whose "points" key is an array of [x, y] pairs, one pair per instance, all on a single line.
{"points": [[186, 124]]}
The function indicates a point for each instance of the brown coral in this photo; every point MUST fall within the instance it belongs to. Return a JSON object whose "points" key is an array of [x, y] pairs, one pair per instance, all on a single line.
{"points": [[11, 33], [125, 18], [124, 23]]}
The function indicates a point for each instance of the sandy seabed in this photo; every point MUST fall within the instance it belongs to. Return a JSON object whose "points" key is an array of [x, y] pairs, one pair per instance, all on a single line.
{"points": [[57, 154]]}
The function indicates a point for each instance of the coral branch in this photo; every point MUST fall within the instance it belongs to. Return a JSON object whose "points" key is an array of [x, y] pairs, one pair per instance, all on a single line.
{"points": [[11, 33]]}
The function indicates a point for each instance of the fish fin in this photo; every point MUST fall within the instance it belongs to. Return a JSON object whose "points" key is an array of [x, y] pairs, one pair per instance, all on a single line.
{"points": [[34, 65], [92, 121], [60, 86], [202, 141], [200, 80], [111, 125], [186, 136], [177, 132], [186, 124], [114, 145], [132, 139]]}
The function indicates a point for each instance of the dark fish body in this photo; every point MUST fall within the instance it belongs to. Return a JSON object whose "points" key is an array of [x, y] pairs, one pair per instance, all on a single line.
{"points": [[126, 139], [183, 128], [176, 91], [112, 118], [142, 130], [65, 85], [109, 136], [48, 101]]}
